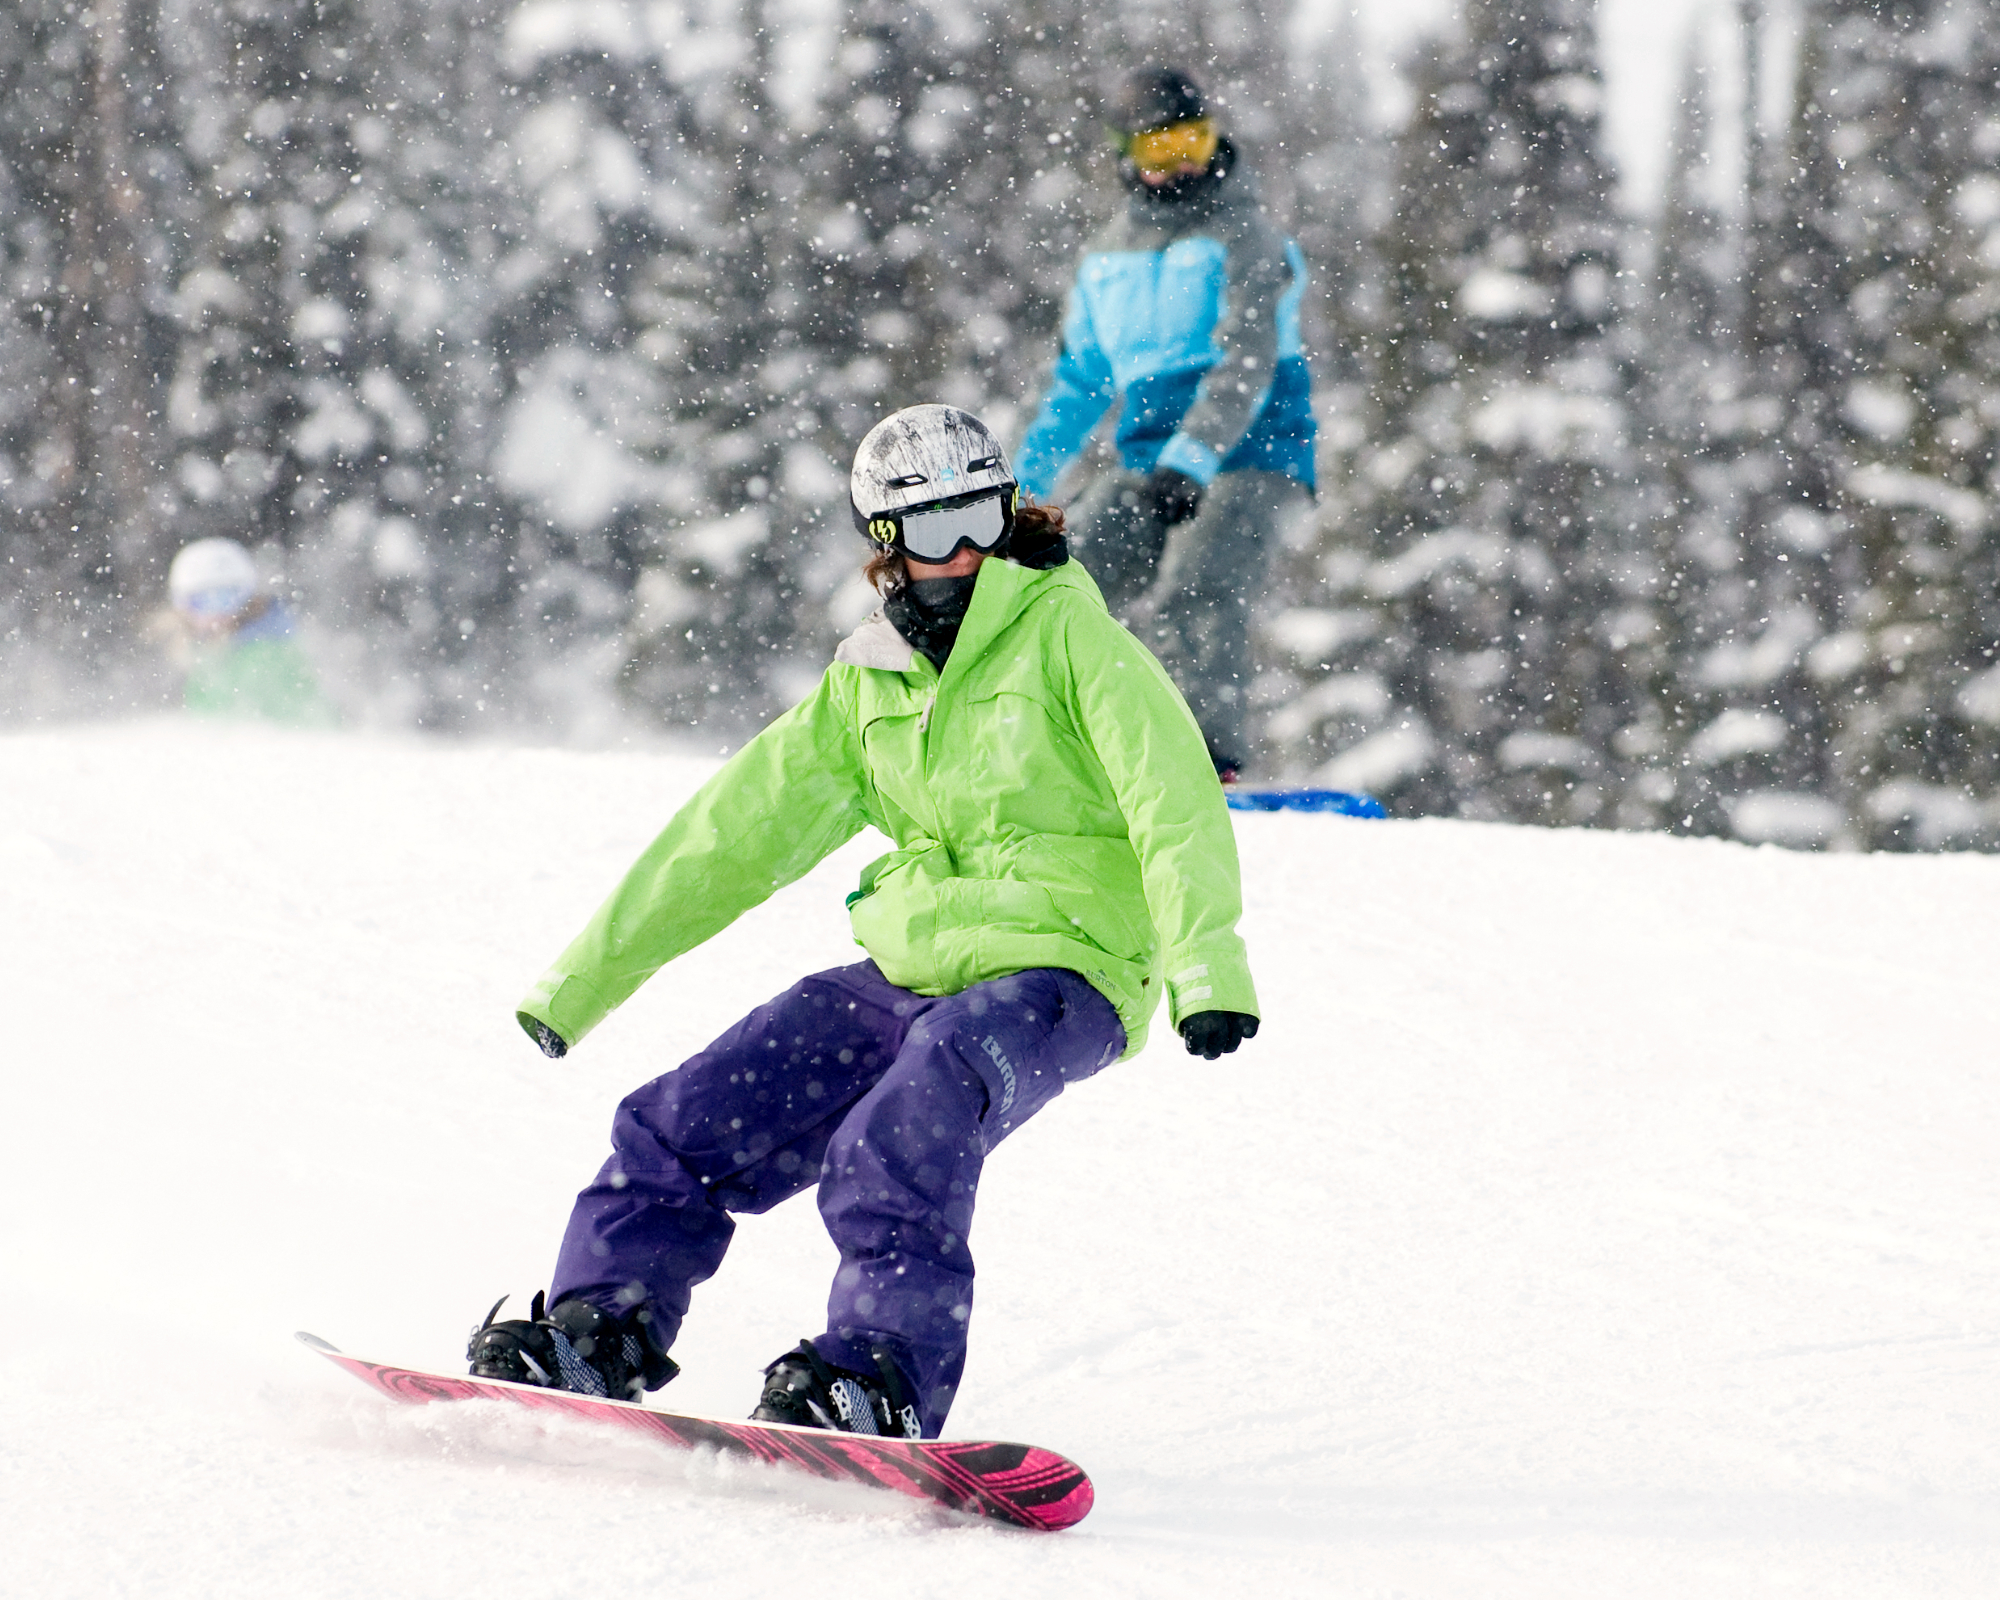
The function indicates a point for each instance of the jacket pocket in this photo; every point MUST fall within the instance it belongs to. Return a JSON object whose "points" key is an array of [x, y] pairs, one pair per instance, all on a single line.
{"points": [[1095, 886], [892, 761], [1026, 761], [896, 922]]}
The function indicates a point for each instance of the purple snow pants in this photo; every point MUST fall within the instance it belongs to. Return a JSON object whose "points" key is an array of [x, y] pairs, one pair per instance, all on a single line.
{"points": [[889, 1101]]}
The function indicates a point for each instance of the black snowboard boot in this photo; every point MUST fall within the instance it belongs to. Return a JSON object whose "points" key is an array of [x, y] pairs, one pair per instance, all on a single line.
{"points": [[800, 1388], [575, 1347]]}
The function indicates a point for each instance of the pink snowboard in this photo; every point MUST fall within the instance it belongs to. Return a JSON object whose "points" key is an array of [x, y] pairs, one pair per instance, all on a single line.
{"points": [[1011, 1483]]}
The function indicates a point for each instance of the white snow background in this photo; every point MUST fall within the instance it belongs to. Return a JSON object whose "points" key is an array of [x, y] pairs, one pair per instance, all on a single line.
{"points": [[1596, 1214]]}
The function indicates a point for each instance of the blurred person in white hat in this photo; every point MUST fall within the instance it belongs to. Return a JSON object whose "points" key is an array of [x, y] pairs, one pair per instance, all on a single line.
{"points": [[234, 640]]}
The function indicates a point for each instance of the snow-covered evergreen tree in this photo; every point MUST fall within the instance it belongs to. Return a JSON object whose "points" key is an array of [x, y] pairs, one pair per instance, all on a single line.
{"points": [[616, 309], [333, 387], [1902, 136], [736, 553], [1704, 674], [1036, 178], [1752, 756], [800, 311], [1486, 539], [87, 172]]}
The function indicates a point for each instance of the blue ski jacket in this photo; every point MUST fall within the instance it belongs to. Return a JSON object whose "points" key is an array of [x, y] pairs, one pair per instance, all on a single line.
{"points": [[1187, 315]]}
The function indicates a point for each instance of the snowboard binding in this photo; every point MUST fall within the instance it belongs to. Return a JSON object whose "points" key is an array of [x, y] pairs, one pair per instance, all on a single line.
{"points": [[575, 1347], [802, 1389]]}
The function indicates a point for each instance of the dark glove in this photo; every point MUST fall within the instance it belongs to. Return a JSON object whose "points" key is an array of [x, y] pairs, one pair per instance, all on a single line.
{"points": [[551, 1042], [1215, 1033], [1174, 495]]}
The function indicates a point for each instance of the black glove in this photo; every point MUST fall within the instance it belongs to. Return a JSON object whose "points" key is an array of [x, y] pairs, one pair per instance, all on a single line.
{"points": [[1215, 1033], [550, 1041], [1174, 495]]}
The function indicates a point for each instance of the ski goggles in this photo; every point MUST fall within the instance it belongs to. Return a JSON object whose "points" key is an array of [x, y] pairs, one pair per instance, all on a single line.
{"points": [[936, 533], [211, 605], [1184, 144]]}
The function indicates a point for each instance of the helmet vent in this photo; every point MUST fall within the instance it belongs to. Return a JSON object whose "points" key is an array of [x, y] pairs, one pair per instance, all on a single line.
{"points": [[908, 480]]}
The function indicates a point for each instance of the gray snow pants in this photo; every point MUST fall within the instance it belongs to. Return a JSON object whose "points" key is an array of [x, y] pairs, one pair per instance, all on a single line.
{"points": [[1187, 590]]}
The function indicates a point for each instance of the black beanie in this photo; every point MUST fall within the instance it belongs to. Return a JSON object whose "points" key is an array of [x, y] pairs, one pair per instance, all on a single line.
{"points": [[1152, 97]]}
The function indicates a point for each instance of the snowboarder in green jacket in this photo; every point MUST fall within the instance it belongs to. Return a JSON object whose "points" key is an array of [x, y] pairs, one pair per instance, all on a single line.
{"points": [[1064, 861]]}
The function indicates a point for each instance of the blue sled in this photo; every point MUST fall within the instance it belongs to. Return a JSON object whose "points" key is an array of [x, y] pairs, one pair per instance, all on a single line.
{"points": [[1337, 801]]}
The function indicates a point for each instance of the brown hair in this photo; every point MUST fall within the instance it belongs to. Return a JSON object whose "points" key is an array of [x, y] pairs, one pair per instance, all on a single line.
{"points": [[888, 571]]}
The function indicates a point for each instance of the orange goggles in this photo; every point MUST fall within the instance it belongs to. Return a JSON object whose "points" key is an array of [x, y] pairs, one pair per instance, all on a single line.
{"points": [[1185, 144]]}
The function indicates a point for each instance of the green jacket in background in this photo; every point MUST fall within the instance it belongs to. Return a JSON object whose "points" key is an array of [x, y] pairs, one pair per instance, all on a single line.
{"points": [[267, 679], [1050, 797], [257, 670]]}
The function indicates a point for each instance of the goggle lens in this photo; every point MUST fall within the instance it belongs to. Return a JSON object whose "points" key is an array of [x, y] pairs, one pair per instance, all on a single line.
{"points": [[1169, 149], [932, 535], [211, 603]]}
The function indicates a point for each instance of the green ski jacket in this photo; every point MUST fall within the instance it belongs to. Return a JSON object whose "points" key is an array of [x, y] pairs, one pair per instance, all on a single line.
{"points": [[265, 678], [1049, 794]]}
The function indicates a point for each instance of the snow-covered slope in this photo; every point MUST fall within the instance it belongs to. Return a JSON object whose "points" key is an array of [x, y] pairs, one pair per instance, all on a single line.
{"points": [[1596, 1215]]}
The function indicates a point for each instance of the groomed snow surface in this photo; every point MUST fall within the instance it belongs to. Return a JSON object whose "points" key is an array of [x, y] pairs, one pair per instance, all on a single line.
{"points": [[1596, 1215]]}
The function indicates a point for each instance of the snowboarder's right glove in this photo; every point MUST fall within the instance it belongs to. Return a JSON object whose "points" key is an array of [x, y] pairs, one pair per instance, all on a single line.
{"points": [[1215, 1033], [1174, 495], [550, 1041]]}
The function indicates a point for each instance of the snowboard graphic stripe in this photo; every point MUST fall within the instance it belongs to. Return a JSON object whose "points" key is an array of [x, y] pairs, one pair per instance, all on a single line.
{"points": [[1016, 1484]]}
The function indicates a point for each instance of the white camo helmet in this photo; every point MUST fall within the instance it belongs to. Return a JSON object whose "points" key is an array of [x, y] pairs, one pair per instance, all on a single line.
{"points": [[923, 456], [212, 578]]}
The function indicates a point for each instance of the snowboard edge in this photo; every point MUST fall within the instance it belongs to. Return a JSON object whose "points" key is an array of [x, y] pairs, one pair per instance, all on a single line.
{"points": [[1016, 1485]]}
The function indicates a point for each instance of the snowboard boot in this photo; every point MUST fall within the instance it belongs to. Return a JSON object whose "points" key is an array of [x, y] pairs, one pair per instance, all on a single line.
{"points": [[575, 1347], [800, 1388]]}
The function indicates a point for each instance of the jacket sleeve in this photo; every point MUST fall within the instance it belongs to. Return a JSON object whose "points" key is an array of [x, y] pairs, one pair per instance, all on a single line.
{"points": [[781, 804], [1152, 751], [1080, 391], [1233, 391]]}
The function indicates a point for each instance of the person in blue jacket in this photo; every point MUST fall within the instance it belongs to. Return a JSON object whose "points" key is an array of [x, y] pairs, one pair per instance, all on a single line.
{"points": [[1185, 313]]}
